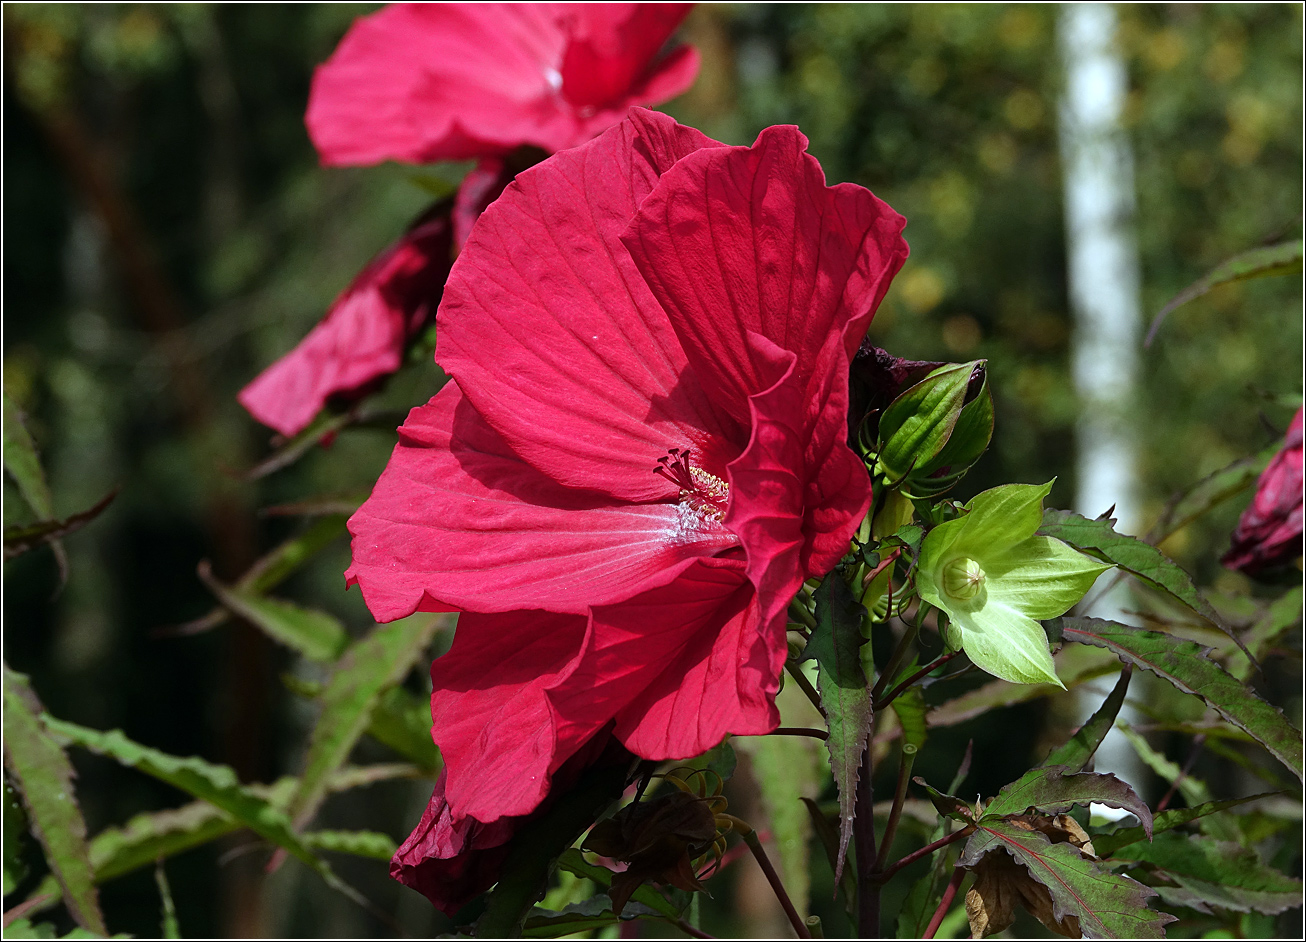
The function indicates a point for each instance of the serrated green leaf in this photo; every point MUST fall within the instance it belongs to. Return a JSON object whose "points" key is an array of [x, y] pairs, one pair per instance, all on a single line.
{"points": [[372, 665], [1185, 665], [1107, 905], [828, 835], [1193, 789], [1283, 613], [1079, 749], [45, 779], [316, 635], [1223, 873], [1141, 560], [15, 826], [22, 463], [524, 876], [168, 916], [950, 806], [216, 784], [1074, 669], [1281, 259], [371, 844], [1106, 845], [573, 861], [402, 721], [1054, 791], [593, 913], [845, 695], [1208, 493]]}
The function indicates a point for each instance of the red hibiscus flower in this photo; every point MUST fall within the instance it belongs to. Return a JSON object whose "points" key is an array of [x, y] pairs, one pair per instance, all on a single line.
{"points": [[453, 81], [1269, 534], [642, 455], [426, 82]]}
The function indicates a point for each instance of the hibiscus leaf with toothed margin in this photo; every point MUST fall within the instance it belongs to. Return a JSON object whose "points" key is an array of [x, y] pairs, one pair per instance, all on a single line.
{"points": [[1221, 873], [38, 765], [317, 635], [1107, 905], [845, 695], [1186, 666], [1054, 790], [1106, 845], [1076, 752], [1141, 560]]}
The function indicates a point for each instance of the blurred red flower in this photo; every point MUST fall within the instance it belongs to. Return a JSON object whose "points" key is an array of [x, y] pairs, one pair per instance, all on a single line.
{"points": [[448, 81], [642, 455], [1269, 534]]}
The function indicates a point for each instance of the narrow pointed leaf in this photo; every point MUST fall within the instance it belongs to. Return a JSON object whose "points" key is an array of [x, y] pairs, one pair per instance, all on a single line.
{"points": [[316, 635], [1223, 873], [1211, 491], [1141, 560], [168, 920], [1185, 664], [1078, 751], [1053, 791], [1000, 693], [402, 721], [828, 835], [1107, 845], [45, 779], [845, 695], [1107, 905], [950, 806], [1264, 261], [216, 784], [911, 710], [24, 466], [372, 665], [358, 843], [19, 540]]}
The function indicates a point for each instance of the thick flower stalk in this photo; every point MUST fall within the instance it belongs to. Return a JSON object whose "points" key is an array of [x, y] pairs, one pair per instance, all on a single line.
{"points": [[642, 454], [447, 81], [1269, 533], [993, 576]]}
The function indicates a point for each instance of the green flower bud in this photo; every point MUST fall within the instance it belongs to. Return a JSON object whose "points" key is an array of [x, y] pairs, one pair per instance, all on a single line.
{"points": [[995, 577], [962, 579]]}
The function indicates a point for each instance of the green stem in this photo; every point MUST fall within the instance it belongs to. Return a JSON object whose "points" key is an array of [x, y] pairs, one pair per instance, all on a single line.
{"points": [[799, 731], [905, 762], [804, 684], [799, 613], [900, 652], [927, 669]]}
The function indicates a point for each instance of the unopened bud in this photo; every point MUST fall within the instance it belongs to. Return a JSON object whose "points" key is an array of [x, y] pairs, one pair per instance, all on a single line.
{"points": [[962, 579]]}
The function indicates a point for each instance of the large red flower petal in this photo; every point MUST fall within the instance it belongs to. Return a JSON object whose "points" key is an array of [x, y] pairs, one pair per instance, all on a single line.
{"points": [[490, 709], [449, 81], [554, 336], [750, 239], [362, 338], [457, 520]]}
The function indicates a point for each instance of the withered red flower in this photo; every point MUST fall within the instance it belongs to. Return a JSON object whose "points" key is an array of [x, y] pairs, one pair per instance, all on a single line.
{"points": [[420, 82], [642, 455], [502, 83], [1269, 534]]}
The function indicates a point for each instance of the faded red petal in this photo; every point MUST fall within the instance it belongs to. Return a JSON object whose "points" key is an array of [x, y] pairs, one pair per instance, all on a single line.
{"points": [[562, 348], [448, 81], [736, 240], [458, 520], [361, 339], [451, 858], [1269, 533], [479, 189]]}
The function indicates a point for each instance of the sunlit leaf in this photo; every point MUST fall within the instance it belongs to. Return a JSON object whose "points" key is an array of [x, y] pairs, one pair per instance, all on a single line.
{"points": [[358, 843], [1053, 791], [911, 710], [1186, 666], [44, 777], [1107, 905], [317, 635], [1281, 259], [836, 644], [371, 665], [1143, 561]]}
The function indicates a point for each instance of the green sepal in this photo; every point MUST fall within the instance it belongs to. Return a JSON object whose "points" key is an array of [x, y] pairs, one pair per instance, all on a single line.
{"points": [[916, 426]]}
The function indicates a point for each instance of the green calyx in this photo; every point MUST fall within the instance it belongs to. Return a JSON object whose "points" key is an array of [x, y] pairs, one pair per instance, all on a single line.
{"points": [[996, 578]]}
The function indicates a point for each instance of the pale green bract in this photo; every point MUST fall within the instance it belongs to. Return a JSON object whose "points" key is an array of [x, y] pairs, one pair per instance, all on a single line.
{"points": [[993, 577]]}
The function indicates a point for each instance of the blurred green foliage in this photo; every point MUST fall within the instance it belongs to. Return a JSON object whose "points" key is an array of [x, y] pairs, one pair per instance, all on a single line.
{"points": [[193, 115]]}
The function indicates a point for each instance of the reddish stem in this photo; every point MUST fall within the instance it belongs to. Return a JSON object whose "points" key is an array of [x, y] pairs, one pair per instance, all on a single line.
{"points": [[927, 669], [948, 895], [911, 858]]}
